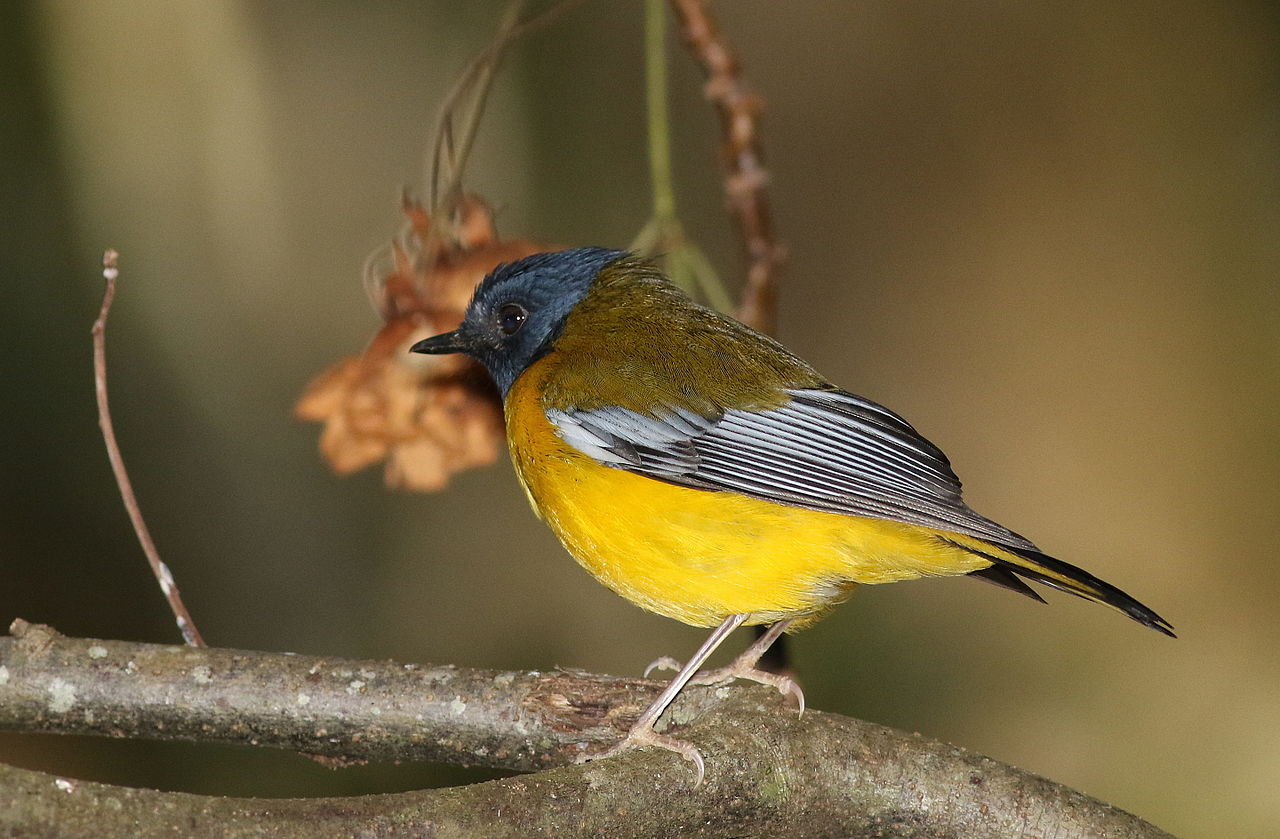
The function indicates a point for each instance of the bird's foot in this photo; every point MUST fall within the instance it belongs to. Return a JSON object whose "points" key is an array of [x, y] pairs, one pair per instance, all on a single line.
{"points": [[740, 668], [644, 735], [666, 662]]}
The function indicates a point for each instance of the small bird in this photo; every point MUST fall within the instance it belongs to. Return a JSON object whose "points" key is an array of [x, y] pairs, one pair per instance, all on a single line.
{"points": [[705, 473]]}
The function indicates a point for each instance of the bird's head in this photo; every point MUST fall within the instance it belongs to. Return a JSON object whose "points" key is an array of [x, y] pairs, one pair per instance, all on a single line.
{"points": [[518, 310]]}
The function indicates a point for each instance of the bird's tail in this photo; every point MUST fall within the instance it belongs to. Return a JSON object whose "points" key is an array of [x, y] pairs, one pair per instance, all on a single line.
{"points": [[1042, 568]]}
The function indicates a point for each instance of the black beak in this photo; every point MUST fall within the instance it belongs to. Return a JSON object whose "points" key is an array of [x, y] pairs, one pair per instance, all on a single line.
{"points": [[449, 342]]}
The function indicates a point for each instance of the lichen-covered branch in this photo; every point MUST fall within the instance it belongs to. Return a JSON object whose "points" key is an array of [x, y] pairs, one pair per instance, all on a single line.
{"points": [[340, 708], [769, 772]]}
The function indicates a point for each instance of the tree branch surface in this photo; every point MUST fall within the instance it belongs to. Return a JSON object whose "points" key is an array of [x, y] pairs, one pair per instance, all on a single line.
{"points": [[769, 771]]}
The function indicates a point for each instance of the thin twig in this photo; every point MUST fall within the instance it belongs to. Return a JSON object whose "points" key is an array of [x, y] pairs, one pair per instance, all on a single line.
{"points": [[655, 70], [453, 134], [190, 634], [663, 236], [743, 158], [449, 156]]}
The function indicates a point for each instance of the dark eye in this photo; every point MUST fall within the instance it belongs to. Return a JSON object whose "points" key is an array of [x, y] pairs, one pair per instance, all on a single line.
{"points": [[511, 317]]}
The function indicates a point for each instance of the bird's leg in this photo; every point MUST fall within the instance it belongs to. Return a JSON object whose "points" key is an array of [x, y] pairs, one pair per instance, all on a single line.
{"points": [[643, 733], [744, 667]]}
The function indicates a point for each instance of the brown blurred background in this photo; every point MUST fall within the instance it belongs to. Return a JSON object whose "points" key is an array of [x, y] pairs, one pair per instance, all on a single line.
{"points": [[1046, 233]]}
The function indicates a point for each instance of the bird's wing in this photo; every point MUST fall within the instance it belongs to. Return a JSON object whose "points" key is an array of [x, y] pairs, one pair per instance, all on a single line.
{"points": [[824, 450]]}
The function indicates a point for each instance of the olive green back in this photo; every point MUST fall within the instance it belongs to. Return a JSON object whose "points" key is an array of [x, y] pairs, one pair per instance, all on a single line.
{"points": [[639, 342]]}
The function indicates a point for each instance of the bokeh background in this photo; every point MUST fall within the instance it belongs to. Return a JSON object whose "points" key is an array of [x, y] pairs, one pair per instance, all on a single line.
{"points": [[1046, 233]]}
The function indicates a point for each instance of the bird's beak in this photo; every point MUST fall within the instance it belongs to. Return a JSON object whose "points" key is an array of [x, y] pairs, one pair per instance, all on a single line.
{"points": [[449, 342]]}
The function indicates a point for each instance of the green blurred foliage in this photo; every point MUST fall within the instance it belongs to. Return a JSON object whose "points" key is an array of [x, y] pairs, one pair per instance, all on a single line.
{"points": [[1046, 233]]}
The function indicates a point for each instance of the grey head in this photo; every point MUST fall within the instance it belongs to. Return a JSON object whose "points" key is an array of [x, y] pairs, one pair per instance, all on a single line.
{"points": [[518, 310]]}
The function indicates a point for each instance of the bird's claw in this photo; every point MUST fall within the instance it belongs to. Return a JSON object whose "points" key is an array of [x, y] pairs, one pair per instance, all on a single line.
{"points": [[664, 663], [785, 685], [640, 737]]}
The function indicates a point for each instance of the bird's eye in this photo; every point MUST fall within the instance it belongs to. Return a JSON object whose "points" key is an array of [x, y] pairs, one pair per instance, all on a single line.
{"points": [[511, 317]]}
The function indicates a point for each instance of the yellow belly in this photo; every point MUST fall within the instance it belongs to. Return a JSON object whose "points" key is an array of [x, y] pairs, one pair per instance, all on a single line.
{"points": [[699, 556]]}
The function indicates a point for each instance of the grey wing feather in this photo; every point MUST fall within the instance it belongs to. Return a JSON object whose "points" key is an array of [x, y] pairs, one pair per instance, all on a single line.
{"points": [[823, 450]]}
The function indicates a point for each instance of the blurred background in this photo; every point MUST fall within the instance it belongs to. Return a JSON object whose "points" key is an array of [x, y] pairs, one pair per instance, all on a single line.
{"points": [[1046, 233]]}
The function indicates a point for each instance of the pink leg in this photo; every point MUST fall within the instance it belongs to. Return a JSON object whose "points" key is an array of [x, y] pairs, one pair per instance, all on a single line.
{"points": [[744, 667], [643, 733]]}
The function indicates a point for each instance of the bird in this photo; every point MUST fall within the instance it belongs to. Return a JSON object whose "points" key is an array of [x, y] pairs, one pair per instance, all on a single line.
{"points": [[705, 473]]}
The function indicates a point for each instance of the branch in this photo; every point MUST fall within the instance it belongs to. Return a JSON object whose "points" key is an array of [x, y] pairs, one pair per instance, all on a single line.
{"points": [[742, 158], [770, 773], [110, 273], [465, 102], [662, 238]]}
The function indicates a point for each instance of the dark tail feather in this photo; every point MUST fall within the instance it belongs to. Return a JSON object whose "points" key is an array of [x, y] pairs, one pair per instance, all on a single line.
{"points": [[1006, 579], [1063, 576]]}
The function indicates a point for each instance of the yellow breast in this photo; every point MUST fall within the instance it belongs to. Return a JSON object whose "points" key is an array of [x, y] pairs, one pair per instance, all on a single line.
{"points": [[699, 556]]}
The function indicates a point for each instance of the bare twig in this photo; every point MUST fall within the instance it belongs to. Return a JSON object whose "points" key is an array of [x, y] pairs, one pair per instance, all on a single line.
{"points": [[449, 155], [770, 773], [742, 158], [190, 634], [454, 132]]}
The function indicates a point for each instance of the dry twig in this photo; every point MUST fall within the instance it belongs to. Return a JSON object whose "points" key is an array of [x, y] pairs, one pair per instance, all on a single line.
{"points": [[742, 158], [110, 272], [428, 417], [465, 102]]}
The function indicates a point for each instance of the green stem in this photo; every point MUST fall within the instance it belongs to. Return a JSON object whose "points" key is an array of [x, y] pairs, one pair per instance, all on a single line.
{"points": [[708, 280], [655, 52], [687, 266]]}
